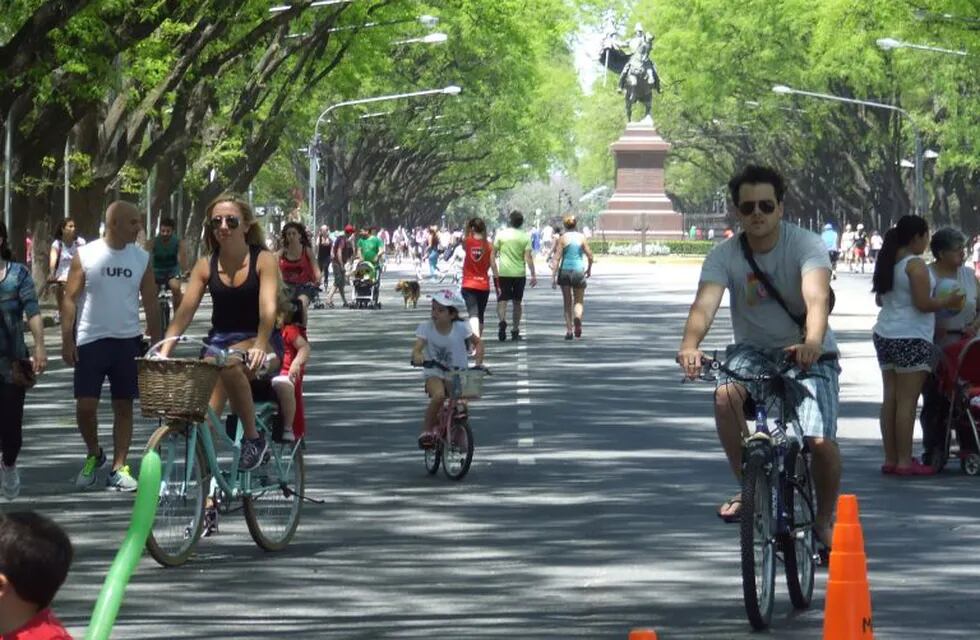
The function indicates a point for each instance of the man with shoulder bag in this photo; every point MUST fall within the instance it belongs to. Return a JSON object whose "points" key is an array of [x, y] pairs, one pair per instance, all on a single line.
{"points": [[18, 371], [778, 278]]}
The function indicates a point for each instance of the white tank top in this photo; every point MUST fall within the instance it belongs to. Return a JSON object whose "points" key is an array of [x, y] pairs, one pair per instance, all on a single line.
{"points": [[66, 253], [110, 303], [899, 317]]}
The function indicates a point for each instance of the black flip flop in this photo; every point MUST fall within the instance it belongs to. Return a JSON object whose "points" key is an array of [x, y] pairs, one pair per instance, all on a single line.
{"points": [[733, 517], [823, 550]]}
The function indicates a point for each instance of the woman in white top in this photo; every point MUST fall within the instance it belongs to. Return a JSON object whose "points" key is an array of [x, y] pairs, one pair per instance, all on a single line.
{"points": [[63, 249], [948, 247], [903, 337]]}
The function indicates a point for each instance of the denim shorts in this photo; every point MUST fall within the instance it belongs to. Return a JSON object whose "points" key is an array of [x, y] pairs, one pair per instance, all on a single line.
{"points": [[218, 340], [114, 358], [818, 408]]}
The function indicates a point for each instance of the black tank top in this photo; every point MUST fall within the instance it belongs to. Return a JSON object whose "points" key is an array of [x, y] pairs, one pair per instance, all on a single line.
{"points": [[235, 309]]}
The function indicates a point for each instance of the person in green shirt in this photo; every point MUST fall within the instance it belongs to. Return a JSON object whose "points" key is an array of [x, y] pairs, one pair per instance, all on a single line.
{"points": [[370, 248], [513, 249], [169, 259]]}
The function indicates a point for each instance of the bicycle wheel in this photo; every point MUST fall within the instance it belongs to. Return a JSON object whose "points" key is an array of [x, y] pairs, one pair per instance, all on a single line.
{"points": [[457, 452], [184, 484], [164, 315], [432, 458], [756, 533], [799, 545], [273, 504]]}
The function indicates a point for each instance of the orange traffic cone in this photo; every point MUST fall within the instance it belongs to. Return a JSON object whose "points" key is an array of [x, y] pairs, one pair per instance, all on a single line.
{"points": [[643, 634], [847, 615]]}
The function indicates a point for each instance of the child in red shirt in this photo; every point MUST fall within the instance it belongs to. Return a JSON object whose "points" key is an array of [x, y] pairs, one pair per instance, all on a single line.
{"points": [[289, 383], [35, 555]]}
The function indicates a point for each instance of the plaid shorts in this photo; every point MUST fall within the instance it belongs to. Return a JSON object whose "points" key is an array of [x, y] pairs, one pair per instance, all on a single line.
{"points": [[818, 409]]}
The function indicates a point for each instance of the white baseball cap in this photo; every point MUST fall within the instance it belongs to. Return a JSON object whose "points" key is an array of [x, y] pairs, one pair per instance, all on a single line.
{"points": [[450, 298]]}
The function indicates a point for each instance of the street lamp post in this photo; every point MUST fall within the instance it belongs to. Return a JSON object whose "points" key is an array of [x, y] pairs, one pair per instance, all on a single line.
{"points": [[887, 44], [920, 190], [451, 90]]}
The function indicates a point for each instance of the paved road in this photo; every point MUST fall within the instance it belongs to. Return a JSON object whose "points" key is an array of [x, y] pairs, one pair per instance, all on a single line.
{"points": [[589, 508]]}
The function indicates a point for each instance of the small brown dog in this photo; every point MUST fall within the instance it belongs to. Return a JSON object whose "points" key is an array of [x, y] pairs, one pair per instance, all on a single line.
{"points": [[410, 291]]}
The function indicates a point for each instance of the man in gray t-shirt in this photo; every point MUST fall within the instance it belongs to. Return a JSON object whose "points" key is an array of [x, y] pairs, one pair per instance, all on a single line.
{"points": [[798, 267]]}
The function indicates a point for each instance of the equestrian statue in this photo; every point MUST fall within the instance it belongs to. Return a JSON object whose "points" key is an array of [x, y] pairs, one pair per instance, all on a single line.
{"points": [[638, 77]]}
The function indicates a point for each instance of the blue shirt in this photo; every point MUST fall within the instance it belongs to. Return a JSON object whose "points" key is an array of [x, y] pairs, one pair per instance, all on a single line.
{"points": [[571, 257], [829, 237], [17, 299]]}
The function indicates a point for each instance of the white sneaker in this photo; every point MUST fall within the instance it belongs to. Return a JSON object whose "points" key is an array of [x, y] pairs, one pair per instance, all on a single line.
{"points": [[288, 436], [121, 480], [10, 481]]}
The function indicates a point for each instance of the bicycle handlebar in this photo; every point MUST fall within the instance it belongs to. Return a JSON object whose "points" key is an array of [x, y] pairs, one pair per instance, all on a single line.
{"points": [[222, 354], [434, 364], [714, 364]]}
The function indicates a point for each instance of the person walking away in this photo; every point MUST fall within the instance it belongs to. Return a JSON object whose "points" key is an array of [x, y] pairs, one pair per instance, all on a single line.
{"points": [[572, 274], [243, 279], [323, 243], [169, 259], [948, 248], [18, 299], [341, 253], [478, 260], [795, 263], [444, 338], [106, 281], [432, 251], [829, 237], [63, 249], [513, 249], [35, 556], [903, 337]]}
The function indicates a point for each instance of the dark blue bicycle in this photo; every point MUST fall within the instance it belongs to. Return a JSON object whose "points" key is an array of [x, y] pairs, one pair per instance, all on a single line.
{"points": [[777, 516]]}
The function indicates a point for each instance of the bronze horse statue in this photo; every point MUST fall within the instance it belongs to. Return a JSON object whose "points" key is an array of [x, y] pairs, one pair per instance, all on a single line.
{"points": [[638, 77]]}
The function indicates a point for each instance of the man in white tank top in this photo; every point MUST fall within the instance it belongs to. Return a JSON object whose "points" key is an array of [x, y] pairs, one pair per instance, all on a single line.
{"points": [[102, 295]]}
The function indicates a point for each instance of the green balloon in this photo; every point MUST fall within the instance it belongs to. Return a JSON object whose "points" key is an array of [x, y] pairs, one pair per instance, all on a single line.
{"points": [[114, 587]]}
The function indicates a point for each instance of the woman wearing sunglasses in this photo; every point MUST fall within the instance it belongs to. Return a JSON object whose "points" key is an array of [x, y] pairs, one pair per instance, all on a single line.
{"points": [[243, 280]]}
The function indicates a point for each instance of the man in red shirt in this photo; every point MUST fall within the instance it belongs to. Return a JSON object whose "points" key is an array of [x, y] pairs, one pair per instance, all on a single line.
{"points": [[35, 555]]}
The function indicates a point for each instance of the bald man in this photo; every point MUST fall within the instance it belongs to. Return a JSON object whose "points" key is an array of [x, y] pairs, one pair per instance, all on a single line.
{"points": [[109, 277]]}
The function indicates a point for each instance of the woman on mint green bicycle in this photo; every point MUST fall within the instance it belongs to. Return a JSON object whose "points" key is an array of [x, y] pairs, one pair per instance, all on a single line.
{"points": [[243, 279]]}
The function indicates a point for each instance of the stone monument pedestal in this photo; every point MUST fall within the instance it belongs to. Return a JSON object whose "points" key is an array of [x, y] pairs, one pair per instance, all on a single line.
{"points": [[639, 207]]}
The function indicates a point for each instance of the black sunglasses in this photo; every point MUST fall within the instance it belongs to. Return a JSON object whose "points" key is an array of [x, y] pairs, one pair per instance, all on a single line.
{"points": [[747, 207], [231, 221]]}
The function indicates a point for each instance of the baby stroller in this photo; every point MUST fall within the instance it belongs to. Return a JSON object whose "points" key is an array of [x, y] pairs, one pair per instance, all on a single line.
{"points": [[959, 385], [367, 286]]}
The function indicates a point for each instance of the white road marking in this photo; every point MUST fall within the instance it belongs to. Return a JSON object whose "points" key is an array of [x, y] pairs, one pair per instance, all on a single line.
{"points": [[525, 425]]}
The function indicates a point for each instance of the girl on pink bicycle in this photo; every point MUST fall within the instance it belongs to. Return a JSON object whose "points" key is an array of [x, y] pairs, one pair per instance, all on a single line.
{"points": [[444, 338]]}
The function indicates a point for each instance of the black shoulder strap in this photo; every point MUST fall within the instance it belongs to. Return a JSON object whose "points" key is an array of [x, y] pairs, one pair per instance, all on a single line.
{"points": [[766, 282]]}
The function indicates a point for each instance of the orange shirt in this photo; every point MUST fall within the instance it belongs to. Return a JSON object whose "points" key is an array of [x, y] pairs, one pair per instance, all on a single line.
{"points": [[476, 265]]}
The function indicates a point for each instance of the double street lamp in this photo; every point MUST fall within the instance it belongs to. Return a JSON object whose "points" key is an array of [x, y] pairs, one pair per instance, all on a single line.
{"points": [[451, 90], [920, 190]]}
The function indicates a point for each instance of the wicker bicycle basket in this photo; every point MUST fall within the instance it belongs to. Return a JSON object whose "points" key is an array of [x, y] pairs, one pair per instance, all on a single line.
{"points": [[176, 388], [470, 383]]}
